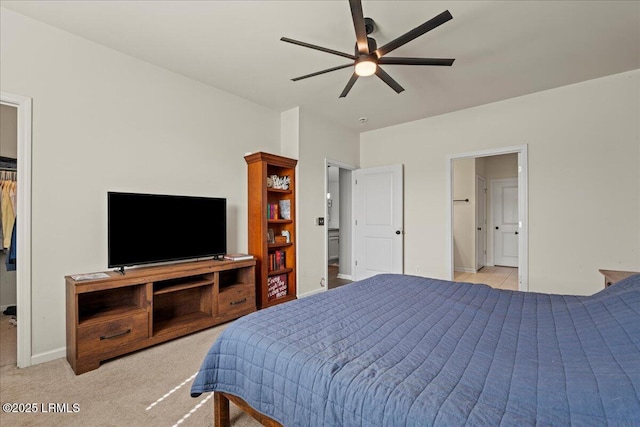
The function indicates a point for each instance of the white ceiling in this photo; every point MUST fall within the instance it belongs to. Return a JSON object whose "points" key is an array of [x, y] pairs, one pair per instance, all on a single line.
{"points": [[502, 49]]}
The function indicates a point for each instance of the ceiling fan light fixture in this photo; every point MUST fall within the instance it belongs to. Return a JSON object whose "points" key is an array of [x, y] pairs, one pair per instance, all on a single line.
{"points": [[367, 55], [366, 68]]}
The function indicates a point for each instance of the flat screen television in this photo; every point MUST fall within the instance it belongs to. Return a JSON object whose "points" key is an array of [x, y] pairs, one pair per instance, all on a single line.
{"points": [[155, 228]]}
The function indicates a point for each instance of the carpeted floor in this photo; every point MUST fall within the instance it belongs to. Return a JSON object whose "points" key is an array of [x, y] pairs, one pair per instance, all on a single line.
{"points": [[8, 341], [147, 388]]}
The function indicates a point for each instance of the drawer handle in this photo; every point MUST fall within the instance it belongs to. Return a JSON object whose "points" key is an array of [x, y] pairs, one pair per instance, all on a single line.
{"points": [[238, 302], [119, 334]]}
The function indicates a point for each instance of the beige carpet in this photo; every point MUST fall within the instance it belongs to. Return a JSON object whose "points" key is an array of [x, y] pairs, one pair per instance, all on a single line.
{"points": [[147, 388], [8, 341]]}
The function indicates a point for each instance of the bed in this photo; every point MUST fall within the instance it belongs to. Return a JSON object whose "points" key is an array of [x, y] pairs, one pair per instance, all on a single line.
{"points": [[399, 350]]}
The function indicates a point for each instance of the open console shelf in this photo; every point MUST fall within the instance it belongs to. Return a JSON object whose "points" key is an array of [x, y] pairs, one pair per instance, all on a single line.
{"points": [[123, 313], [182, 283]]}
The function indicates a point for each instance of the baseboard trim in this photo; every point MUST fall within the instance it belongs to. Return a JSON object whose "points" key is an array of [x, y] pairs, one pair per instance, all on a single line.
{"points": [[48, 356], [308, 294], [465, 270], [345, 276]]}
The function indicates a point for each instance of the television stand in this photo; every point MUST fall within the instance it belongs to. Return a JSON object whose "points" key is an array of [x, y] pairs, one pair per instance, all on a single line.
{"points": [[120, 314]]}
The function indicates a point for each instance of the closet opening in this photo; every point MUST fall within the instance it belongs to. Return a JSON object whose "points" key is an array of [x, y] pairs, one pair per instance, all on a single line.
{"points": [[22, 105], [8, 235]]}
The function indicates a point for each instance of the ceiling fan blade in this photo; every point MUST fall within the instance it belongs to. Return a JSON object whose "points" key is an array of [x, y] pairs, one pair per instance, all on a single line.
{"points": [[416, 32], [320, 48], [416, 61], [339, 67], [358, 24], [388, 80], [349, 85]]}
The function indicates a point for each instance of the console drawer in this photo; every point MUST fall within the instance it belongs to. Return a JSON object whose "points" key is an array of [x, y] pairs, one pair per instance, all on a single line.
{"points": [[103, 337], [237, 299]]}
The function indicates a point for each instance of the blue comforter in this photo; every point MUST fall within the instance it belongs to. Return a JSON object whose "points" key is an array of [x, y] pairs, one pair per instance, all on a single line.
{"points": [[398, 350]]}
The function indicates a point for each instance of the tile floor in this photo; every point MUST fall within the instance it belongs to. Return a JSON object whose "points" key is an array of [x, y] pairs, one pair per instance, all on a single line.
{"points": [[496, 277]]}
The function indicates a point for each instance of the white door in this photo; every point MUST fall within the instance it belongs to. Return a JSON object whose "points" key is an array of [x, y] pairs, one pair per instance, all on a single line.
{"points": [[481, 222], [378, 214], [504, 201]]}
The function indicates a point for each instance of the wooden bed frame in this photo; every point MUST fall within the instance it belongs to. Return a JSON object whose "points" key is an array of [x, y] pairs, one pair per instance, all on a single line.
{"points": [[221, 411]]}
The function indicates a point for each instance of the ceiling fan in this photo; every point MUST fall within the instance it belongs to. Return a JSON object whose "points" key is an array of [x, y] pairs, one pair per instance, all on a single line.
{"points": [[368, 57]]}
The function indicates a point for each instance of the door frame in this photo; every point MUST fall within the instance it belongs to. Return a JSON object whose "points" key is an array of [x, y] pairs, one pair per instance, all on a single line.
{"points": [[484, 226], [23, 227], [523, 207], [330, 162]]}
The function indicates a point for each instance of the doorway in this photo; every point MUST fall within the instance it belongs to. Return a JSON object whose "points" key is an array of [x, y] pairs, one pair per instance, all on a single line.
{"points": [[338, 227], [23, 224], [467, 232], [8, 186]]}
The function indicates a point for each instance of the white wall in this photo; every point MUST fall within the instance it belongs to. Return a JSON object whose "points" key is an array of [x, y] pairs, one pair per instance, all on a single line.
{"points": [[333, 212], [464, 215], [8, 131], [105, 121], [584, 178], [346, 224], [319, 140]]}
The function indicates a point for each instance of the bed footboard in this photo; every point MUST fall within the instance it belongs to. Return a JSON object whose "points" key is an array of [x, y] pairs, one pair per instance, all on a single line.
{"points": [[221, 411]]}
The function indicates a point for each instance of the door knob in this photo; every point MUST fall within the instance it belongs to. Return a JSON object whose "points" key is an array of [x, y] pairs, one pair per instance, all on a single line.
{"points": [[497, 228], [397, 231], [516, 232], [479, 228]]}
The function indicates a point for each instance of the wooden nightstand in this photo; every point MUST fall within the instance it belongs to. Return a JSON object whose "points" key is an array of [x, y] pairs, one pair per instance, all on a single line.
{"points": [[613, 276]]}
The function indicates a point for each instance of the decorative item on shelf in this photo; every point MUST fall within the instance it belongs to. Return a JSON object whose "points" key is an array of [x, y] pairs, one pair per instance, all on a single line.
{"points": [[279, 182], [281, 239], [277, 286], [270, 236], [285, 209], [287, 235], [269, 182]]}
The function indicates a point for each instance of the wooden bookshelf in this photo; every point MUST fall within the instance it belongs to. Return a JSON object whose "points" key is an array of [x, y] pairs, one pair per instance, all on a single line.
{"points": [[260, 167]]}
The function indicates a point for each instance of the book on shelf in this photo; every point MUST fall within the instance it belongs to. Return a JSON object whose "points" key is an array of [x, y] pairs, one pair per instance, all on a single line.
{"points": [[277, 286], [89, 276], [285, 208], [277, 260], [272, 211], [237, 257]]}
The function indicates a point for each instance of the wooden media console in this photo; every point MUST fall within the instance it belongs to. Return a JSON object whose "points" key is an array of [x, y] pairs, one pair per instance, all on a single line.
{"points": [[112, 316]]}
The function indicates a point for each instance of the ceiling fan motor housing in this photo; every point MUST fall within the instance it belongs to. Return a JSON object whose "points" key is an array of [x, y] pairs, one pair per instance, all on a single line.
{"points": [[373, 45], [369, 25]]}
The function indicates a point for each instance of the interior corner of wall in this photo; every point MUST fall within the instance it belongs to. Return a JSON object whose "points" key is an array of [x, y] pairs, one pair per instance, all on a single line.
{"points": [[290, 132]]}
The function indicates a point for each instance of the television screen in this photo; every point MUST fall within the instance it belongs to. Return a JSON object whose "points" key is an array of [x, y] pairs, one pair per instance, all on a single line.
{"points": [[152, 228]]}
